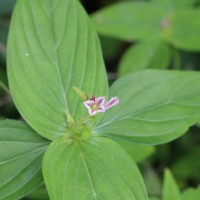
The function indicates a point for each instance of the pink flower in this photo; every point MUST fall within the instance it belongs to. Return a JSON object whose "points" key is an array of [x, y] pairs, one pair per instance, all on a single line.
{"points": [[95, 105]]}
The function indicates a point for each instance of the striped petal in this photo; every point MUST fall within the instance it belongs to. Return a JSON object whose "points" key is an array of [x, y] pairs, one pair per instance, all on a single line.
{"points": [[100, 100], [112, 102]]}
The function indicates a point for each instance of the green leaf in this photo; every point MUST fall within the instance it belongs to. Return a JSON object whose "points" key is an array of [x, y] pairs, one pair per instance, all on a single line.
{"points": [[21, 151], [149, 54], [155, 106], [57, 48], [170, 188], [174, 4], [186, 30], [94, 169], [130, 20], [191, 194], [137, 151]]}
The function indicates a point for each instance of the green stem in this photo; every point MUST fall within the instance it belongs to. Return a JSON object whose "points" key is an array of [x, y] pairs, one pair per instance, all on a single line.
{"points": [[4, 87]]}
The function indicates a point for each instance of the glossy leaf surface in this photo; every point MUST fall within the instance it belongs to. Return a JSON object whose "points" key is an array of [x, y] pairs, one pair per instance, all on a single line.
{"points": [[52, 57], [96, 169], [155, 106], [21, 151]]}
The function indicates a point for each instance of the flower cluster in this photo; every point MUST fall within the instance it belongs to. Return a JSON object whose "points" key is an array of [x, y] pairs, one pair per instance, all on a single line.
{"points": [[96, 105]]}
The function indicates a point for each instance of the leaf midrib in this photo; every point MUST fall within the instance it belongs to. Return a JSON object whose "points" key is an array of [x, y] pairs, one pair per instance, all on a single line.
{"points": [[88, 174], [56, 62]]}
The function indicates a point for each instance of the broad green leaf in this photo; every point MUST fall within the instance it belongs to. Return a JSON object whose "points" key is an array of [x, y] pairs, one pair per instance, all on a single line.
{"points": [[149, 54], [137, 151], [170, 188], [95, 169], [191, 194], [155, 106], [52, 47], [130, 20], [21, 151], [186, 30], [174, 4]]}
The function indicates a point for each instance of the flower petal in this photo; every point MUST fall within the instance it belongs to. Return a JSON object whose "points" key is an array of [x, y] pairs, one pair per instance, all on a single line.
{"points": [[87, 103], [101, 109], [112, 102], [100, 100], [92, 112]]}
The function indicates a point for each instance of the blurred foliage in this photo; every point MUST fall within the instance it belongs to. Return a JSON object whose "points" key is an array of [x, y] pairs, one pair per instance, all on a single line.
{"points": [[180, 156], [156, 54], [191, 194], [39, 194], [7, 108], [170, 187], [175, 23], [6, 7]]}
